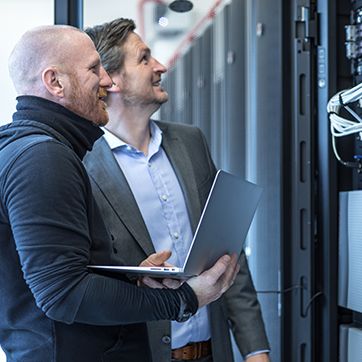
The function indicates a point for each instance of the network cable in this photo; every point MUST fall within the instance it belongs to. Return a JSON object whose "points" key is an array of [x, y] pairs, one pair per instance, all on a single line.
{"points": [[340, 126]]}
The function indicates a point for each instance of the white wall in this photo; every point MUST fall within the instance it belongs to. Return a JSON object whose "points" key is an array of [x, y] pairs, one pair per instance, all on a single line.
{"points": [[17, 16], [94, 13]]}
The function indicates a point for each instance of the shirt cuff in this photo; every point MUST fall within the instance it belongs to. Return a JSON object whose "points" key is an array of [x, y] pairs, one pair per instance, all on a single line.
{"points": [[256, 352]]}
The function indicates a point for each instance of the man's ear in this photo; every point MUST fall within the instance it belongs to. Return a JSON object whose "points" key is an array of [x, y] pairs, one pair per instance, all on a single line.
{"points": [[52, 82]]}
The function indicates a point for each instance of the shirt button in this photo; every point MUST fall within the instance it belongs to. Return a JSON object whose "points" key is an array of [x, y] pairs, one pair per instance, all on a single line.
{"points": [[149, 164], [176, 235], [164, 197], [166, 339], [128, 148]]}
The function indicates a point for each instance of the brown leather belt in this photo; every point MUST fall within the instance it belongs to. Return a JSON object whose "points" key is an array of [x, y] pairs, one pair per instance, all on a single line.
{"points": [[192, 351]]}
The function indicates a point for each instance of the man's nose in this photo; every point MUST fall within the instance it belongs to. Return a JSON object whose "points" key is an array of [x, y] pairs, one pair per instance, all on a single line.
{"points": [[105, 80], [159, 67]]}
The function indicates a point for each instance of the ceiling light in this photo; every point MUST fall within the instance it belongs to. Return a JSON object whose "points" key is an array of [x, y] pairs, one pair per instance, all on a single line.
{"points": [[163, 21], [181, 6]]}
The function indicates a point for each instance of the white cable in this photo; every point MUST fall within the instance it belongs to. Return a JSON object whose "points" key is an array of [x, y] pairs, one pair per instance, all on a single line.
{"points": [[340, 126]]}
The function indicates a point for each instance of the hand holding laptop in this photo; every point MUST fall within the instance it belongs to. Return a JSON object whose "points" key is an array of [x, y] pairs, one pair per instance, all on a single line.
{"points": [[208, 286], [158, 259], [214, 282]]}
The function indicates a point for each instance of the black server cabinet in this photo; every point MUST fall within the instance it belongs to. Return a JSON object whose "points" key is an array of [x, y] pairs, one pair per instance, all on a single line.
{"points": [[264, 158], [182, 88], [167, 111], [219, 91], [68, 12], [179, 95], [201, 82], [235, 78]]}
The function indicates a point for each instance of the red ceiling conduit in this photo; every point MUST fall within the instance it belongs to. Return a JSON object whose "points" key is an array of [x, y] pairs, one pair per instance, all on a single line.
{"points": [[189, 37]]}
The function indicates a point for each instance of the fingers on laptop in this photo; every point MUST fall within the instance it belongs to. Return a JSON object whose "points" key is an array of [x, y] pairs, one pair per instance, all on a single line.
{"points": [[156, 259]]}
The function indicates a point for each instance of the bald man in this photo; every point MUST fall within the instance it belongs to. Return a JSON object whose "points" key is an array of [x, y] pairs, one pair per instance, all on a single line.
{"points": [[51, 307]]}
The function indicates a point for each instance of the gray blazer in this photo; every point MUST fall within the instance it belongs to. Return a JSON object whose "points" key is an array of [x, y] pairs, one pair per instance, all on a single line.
{"points": [[189, 155]]}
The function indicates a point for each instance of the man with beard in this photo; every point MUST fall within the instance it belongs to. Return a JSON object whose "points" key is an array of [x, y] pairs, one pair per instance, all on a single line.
{"points": [[162, 172], [52, 307]]}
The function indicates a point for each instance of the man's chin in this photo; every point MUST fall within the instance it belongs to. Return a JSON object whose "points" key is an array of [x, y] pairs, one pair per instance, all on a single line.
{"points": [[163, 99], [161, 96], [100, 119], [100, 122]]}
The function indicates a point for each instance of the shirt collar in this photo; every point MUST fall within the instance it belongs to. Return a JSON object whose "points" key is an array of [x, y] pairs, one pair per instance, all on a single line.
{"points": [[117, 143], [112, 140]]}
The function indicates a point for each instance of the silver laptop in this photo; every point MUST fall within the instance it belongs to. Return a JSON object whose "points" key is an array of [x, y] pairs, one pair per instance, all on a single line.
{"points": [[222, 229]]}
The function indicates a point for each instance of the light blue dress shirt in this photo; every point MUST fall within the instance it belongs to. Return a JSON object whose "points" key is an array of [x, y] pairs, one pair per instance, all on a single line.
{"points": [[161, 202]]}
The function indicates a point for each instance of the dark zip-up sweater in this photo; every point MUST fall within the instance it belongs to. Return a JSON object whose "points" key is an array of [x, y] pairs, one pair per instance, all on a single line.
{"points": [[51, 307]]}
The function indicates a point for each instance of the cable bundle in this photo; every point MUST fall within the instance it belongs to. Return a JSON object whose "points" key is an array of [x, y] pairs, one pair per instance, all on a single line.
{"points": [[340, 126]]}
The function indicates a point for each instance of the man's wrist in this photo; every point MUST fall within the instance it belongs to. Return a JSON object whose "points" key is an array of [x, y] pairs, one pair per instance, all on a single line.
{"points": [[184, 313], [188, 303]]}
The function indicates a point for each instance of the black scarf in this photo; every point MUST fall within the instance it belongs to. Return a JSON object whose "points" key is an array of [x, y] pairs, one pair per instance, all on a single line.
{"points": [[78, 131]]}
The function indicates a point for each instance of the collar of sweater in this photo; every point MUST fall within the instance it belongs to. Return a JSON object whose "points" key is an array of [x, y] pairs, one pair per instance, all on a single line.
{"points": [[78, 131]]}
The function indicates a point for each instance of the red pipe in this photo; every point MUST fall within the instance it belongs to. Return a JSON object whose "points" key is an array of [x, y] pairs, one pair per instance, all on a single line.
{"points": [[189, 37]]}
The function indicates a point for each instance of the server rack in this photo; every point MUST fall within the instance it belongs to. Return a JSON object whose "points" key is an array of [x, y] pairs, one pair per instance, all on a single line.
{"points": [[202, 81], [218, 89], [235, 78], [349, 179], [244, 132], [264, 156], [69, 12]]}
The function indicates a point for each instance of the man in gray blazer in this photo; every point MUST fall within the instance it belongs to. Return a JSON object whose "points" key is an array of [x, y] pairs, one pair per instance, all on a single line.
{"points": [[151, 180]]}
